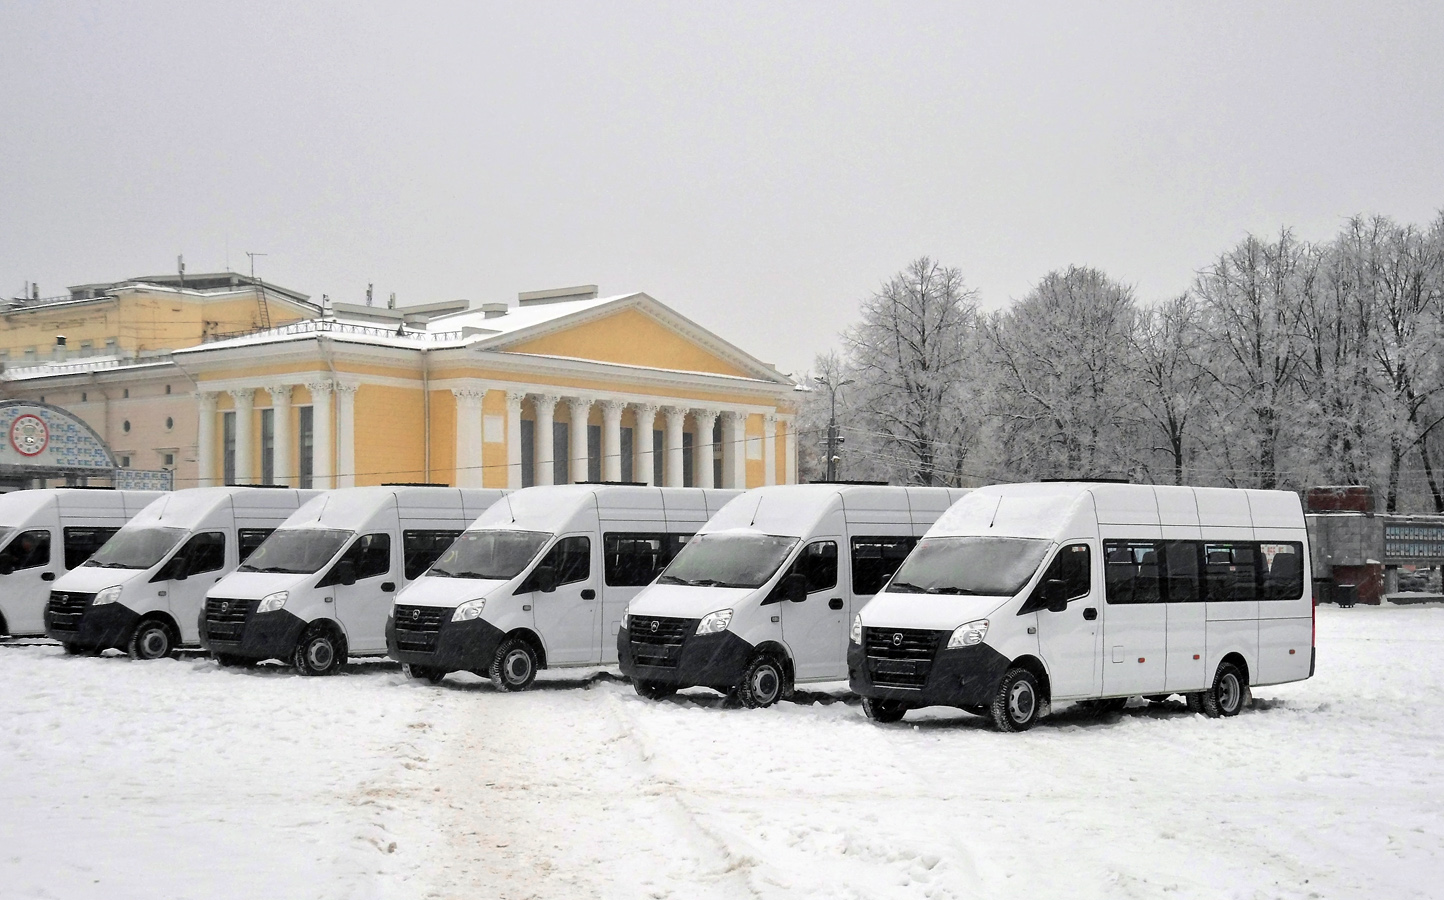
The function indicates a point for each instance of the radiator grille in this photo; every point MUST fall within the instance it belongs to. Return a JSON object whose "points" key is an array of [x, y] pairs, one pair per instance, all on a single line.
{"points": [[226, 618], [900, 657], [417, 627], [657, 640], [66, 609]]}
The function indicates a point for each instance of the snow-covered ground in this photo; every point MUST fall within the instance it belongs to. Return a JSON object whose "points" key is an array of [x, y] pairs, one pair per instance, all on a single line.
{"points": [[179, 779]]}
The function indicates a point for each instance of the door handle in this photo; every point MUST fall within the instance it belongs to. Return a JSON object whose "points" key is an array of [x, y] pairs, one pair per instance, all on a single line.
{"points": [[835, 603], [1090, 613], [47, 576], [588, 594], [388, 586]]}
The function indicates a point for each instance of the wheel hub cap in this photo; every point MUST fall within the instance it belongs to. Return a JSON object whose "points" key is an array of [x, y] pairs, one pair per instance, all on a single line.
{"points": [[1020, 702], [321, 654]]}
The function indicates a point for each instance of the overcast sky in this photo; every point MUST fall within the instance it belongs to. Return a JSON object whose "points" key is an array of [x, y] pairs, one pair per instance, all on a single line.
{"points": [[758, 167]]}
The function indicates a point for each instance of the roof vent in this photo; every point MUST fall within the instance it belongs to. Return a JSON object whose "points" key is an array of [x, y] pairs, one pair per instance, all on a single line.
{"points": [[557, 295], [494, 310]]}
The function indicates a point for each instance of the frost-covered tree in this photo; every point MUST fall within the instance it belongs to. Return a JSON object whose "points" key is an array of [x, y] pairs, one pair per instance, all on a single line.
{"points": [[1168, 382]]}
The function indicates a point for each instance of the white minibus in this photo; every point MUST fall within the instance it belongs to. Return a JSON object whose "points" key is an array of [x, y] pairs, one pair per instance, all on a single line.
{"points": [[761, 598], [320, 589], [143, 589], [540, 580], [1023, 595], [77, 520]]}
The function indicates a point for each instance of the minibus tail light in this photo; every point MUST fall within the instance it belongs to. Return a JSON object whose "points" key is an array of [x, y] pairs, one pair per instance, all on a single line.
{"points": [[969, 634]]}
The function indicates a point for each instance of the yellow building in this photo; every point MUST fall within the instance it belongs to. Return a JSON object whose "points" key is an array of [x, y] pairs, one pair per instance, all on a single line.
{"points": [[564, 386]]}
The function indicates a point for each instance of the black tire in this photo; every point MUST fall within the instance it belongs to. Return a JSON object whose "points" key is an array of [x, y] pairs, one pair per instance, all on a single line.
{"points": [[654, 690], [1103, 706], [1018, 702], [320, 651], [423, 673], [1228, 694], [152, 639], [74, 649], [227, 661], [884, 711], [763, 683], [515, 665]]}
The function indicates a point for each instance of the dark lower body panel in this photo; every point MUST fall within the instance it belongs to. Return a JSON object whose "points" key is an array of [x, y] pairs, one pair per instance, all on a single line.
{"points": [[103, 627], [268, 635], [457, 647], [705, 660], [965, 676]]}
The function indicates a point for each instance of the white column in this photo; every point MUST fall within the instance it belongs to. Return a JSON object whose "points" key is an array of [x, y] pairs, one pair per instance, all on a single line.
{"points": [[769, 449], [513, 438], [581, 409], [672, 445], [791, 449], [612, 440], [323, 454], [545, 455], [642, 464], [346, 435], [245, 401], [702, 447], [281, 458], [206, 439], [734, 451], [468, 436]]}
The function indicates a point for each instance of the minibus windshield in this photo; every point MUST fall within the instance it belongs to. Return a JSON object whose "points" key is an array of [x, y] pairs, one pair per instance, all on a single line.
{"points": [[491, 554], [987, 566], [137, 548], [728, 560], [296, 551]]}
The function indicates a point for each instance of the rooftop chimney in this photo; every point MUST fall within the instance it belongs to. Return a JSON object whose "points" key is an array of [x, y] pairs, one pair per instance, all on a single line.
{"points": [[557, 295], [493, 310]]}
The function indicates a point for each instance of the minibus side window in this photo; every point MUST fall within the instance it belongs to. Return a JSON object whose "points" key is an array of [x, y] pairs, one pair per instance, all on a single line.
{"points": [[80, 543], [204, 552], [248, 539], [1230, 572], [875, 559], [1180, 561], [632, 559], [1073, 567], [818, 561], [1283, 571], [372, 555], [570, 558], [26, 550], [419, 549], [1131, 572]]}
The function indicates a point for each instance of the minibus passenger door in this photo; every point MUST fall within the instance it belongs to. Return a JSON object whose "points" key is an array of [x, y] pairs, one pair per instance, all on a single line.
{"points": [[815, 628], [26, 564], [566, 616], [363, 605], [1068, 631], [192, 571]]}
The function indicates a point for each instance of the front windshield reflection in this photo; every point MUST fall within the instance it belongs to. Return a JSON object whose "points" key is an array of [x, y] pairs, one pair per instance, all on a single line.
{"points": [[297, 551], [728, 559], [988, 566], [137, 548], [492, 554]]}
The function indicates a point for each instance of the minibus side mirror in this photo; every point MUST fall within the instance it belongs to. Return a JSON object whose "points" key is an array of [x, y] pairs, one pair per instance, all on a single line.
{"points": [[1055, 592], [178, 570], [346, 572], [794, 587], [545, 578]]}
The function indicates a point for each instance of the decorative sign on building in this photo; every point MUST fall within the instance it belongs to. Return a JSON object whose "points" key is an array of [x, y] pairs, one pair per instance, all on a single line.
{"points": [[1413, 541], [144, 480], [38, 435]]}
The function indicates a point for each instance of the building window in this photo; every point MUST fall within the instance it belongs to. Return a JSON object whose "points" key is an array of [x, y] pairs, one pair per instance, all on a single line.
{"points": [[125, 462], [659, 455], [167, 389], [561, 452], [626, 451], [268, 446], [169, 423], [125, 393], [528, 452], [228, 447], [305, 443], [594, 453], [125, 426], [87, 348], [29, 353], [84, 397], [111, 345], [167, 460]]}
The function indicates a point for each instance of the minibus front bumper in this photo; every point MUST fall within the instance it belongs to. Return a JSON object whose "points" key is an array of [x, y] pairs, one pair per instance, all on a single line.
{"points": [[426, 636], [72, 618], [687, 659], [256, 636], [882, 668]]}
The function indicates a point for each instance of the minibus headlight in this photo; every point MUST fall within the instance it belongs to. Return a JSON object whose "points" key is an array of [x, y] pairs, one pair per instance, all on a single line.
{"points": [[969, 634], [273, 602], [856, 634], [715, 622], [469, 610], [109, 595]]}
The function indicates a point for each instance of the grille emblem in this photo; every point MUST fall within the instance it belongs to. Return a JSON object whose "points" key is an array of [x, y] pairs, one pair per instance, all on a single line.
{"points": [[64, 598], [655, 623], [225, 606], [897, 639], [415, 614]]}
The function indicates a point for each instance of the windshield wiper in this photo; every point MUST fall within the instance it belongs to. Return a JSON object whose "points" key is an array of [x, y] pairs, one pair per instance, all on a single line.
{"points": [[111, 565], [672, 579], [903, 587], [271, 569], [952, 590]]}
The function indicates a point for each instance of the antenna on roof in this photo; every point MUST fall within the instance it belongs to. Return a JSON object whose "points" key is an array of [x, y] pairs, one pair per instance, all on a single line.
{"points": [[180, 263], [368, 293], [391, 304]]}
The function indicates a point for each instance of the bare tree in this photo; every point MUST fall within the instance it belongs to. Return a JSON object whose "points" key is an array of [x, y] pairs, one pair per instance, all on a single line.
{"points": [[1169, 379]]}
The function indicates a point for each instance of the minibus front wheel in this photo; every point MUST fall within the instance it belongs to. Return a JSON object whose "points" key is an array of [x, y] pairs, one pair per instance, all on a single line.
{"points": [[883, 711], [418, 673], [152, 640], [654, 690], [514, 668], [1016, 706], [320, 651], [763, 683]]}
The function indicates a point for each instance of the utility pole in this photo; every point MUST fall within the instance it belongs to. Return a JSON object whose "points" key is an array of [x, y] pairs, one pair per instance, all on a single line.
{"points": [[834, 439]]}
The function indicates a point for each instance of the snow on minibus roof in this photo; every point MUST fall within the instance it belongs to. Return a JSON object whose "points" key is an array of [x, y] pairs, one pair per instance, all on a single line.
{"points": [[795, 509], [17, 506], [1018, 510]]}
